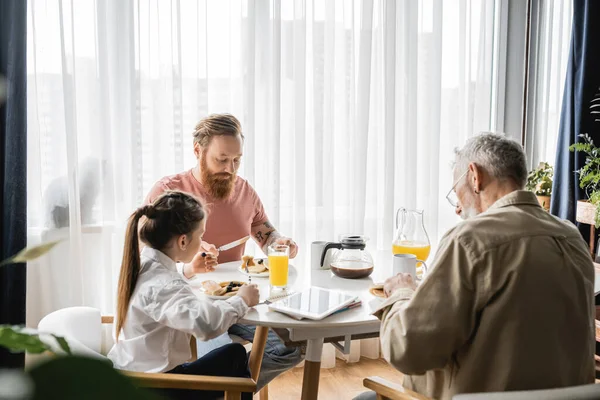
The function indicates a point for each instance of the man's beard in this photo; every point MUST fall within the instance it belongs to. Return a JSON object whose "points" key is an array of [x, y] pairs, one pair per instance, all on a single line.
{"points": [[470, 209], [218, 185], [468, 212]]}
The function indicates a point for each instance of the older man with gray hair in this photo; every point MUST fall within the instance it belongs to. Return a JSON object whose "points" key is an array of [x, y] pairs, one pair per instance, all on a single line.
{"points": [[508, 303]]}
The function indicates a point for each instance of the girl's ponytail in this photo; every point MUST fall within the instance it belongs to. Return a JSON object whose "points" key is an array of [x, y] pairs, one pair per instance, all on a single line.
{"points": [[130, 266]]}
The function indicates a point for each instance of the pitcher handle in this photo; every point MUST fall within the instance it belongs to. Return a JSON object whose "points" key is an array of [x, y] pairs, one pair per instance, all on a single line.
{"points": [[403, 216], [424, 266]]}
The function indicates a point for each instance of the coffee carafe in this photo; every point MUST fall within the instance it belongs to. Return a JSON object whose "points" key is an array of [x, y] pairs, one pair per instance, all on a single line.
{"points": [[351, 260]]}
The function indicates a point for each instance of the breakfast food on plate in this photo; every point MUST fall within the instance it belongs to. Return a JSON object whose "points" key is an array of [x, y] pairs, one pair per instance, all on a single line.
{"points": [[377, 291], [248, 261], [225, 289], [257, 267], [210, 286]]}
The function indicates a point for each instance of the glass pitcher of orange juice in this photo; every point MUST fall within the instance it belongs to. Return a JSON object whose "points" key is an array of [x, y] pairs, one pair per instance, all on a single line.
{"points": [[411, 236]]}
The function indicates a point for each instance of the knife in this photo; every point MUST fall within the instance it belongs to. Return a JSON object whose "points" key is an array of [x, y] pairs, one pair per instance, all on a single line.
{"points": [[233, 244]]}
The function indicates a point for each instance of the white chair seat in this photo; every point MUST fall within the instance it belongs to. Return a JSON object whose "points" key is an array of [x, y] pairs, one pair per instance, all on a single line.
{"points": [[81, 327]]}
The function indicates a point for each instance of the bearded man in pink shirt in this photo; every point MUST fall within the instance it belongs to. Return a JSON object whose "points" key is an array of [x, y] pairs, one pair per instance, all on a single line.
{"points": [[234, 211]]}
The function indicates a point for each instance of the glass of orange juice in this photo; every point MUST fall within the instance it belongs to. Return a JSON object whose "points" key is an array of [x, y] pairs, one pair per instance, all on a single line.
{"points": [[279, 256]]}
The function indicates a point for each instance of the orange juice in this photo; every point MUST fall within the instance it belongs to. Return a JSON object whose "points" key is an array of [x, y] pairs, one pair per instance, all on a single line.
{"points": [[419, 249], [278, 269]]}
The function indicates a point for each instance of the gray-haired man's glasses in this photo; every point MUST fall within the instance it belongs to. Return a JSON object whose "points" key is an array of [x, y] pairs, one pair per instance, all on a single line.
{"points": [[451, 196]]}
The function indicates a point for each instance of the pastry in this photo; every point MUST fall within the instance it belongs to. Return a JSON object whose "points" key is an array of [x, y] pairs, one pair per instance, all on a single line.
{"points": [[224, 289], [377, 291], [210, 286], [247, 261], [253, 267]]}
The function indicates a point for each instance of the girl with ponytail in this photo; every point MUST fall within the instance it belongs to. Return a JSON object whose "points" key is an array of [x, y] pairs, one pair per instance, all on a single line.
{"points": [[157, 311]]}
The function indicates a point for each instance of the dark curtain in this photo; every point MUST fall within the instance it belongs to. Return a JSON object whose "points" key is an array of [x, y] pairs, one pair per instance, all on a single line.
{"points": [[577, 117], [13, 167]]}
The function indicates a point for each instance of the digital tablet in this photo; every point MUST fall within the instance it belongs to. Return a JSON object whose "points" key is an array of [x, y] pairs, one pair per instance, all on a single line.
{"points": [[313, 303]]}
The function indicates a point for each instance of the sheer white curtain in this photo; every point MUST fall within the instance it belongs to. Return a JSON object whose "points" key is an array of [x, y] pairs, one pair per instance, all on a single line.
{"points": [[350, 109], [549, 57]]}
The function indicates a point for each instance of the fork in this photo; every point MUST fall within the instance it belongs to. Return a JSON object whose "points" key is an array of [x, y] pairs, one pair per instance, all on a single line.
{"points": [[273, 299], [248, 272]]}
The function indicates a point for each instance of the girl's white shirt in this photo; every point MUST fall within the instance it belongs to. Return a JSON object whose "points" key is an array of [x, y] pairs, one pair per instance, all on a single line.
{"points": [[163, 314]]}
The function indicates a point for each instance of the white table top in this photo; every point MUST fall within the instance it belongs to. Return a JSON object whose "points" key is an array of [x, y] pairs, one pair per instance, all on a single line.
{"points": [[302, 276]]}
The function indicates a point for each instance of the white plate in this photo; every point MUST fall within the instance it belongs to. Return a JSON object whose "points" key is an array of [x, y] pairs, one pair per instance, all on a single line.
{"points": [[254, 275], [214, 297]]}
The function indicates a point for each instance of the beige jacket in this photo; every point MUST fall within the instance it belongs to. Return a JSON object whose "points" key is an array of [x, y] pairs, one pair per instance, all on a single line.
{"points": [[508, 304]]}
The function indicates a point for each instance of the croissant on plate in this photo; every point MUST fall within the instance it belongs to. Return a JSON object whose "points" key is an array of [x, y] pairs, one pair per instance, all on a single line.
{"points": [[253, 267]]}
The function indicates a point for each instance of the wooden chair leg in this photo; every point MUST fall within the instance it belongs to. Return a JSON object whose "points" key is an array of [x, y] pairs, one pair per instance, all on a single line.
{"points": [[264, 393], [233, 396], [194, 348], [258, 349], [592, 241]]}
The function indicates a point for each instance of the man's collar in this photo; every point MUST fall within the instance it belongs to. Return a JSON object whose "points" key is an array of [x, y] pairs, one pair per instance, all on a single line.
{"points": [[517, 197]]}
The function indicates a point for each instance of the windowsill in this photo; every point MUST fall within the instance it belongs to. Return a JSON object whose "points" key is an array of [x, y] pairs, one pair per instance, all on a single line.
{"points": [[85, 229]]}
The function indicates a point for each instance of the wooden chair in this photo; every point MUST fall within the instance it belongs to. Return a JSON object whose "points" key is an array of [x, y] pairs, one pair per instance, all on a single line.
{"points": [[386, 390], [82, 327], [253, 363]]}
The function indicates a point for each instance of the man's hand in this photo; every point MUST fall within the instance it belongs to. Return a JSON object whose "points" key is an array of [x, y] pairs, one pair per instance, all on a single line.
{"points": [[400, 281], [266, 235], [201, 263], [288, 242]]}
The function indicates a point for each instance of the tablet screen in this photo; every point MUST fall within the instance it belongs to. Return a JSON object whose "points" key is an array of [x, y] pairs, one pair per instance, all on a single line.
{"points": [[316, 301]]}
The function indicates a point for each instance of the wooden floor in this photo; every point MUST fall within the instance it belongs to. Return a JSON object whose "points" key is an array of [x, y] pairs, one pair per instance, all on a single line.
{"points": [[339, 383]]}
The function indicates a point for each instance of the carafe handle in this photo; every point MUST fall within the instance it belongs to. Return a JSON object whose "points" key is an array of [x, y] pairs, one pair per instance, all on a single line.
{"points": [[329, 246]]}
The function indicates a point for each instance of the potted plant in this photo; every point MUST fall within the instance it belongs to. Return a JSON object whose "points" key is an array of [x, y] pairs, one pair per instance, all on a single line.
{"points": [[588, 211], [539, 181]]}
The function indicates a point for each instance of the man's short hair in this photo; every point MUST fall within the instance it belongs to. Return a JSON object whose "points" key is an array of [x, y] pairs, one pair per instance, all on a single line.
{"points": [[216, 125], [501, 157]]}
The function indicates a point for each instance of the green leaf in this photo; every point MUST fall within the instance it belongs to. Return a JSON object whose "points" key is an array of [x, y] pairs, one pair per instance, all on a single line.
{"points": [[14, 339], [539, 180], [589, 174], [30, 253], [63, 344]]}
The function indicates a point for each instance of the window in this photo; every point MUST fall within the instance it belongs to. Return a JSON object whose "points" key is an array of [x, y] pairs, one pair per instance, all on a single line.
{"points": [[350, 109]]}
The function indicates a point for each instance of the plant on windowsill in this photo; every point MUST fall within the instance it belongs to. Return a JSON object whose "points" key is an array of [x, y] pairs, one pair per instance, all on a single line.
{"points": [[588, 211], [539, 181]]}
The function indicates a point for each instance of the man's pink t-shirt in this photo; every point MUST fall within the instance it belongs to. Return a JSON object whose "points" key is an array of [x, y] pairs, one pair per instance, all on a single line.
{"points": [[228, 219]]}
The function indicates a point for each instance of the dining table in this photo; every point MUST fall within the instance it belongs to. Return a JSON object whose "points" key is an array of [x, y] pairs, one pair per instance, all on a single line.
{"points": [[338, 329]]}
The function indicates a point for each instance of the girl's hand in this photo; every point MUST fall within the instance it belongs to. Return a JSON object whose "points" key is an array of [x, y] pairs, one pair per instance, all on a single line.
{"points": [[209, 249], [250, 294], [200, 264]]}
